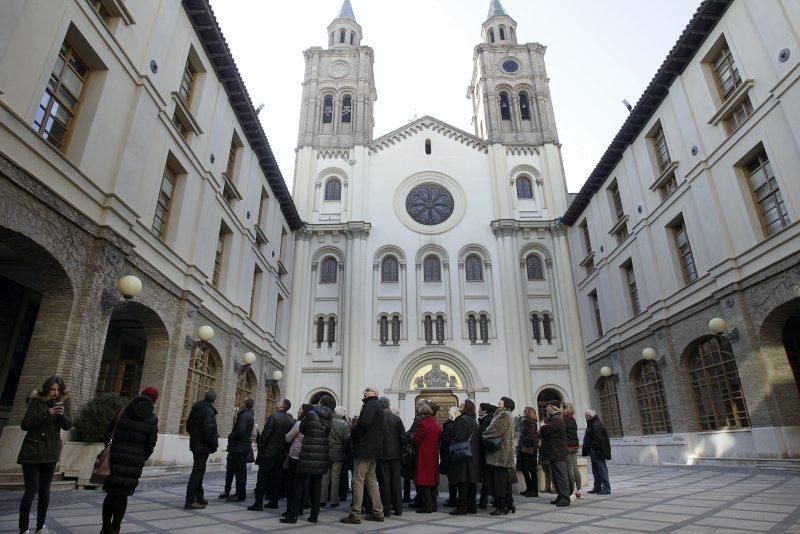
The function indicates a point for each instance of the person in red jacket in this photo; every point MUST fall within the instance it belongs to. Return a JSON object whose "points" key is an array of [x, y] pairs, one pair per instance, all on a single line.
{"points": [[426, 470]]}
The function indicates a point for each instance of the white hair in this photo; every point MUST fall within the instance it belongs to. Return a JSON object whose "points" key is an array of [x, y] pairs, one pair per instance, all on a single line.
{"points": [[453, 412], [591, 413], [340, 410]]}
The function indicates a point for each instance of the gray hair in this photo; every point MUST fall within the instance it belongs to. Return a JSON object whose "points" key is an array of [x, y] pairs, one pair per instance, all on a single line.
{"points": [[425, 409], [568, 408], [590, 413], [385, 402], [340, 410]]}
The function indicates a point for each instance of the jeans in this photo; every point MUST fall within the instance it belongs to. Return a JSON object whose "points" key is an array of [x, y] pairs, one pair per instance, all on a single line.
{"points": [[390, 486], [236, 466], [314, 489], [558, 472], [364, 475], [38, 478], [331, 480], [599, 472], [573, 472], [194, 489], [114, 507]]}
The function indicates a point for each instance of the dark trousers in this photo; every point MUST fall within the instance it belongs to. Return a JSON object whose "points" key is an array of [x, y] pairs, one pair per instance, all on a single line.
{"points": [[466, 495], [344, 481], [194, 488], [529, 472], [292, 479], [406, 489], [426, 499], [114, 507], [38, 478], [269, 480], [298, 494], [236, 466], [501, 484], [389, 486], [599, 472], [558, 472], [452, 494]]}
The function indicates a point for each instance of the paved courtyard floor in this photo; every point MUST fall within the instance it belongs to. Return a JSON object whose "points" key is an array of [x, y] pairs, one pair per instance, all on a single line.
{"points": [[644, 499]]}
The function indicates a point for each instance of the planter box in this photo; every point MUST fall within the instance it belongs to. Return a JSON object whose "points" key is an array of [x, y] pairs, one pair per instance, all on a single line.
{"points": [[77, 460]]}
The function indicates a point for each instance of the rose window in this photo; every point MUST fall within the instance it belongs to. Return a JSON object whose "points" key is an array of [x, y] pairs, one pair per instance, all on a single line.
{"points": [[429, 204]]}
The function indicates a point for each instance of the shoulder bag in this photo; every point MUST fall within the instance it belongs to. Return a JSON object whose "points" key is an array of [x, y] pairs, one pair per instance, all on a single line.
{"points": [[492, 444], [102, 466], [461, 449]]}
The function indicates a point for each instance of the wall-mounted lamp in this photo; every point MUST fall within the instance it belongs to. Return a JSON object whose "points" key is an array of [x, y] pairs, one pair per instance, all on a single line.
{"points": [[277, 375], [606, 371], [128, 286], [719, 327], [248, 359], [649, 353], [204, 334]]}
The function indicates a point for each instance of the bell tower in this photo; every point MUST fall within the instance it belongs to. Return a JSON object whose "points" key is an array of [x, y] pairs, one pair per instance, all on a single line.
{"points": [[510, 91], [338, 88]]}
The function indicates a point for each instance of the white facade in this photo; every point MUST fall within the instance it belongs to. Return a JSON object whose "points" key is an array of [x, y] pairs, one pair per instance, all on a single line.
{"points": [[369, 222]]}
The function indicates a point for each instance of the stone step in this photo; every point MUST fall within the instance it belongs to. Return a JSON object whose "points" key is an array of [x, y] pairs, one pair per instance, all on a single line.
{"points": [[57, 485]]}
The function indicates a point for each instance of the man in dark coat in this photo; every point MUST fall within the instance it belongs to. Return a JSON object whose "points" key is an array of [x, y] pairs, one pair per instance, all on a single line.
{"points": [[367, 436], [239, 448], [485, 413], [554, 448], [597, 446], [271, 455], [203, 436], [389, 465]]}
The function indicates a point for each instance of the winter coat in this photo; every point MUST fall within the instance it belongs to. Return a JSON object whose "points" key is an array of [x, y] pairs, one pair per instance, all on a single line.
{"points": [[315, 427], [468, 470], [202, 428], [426, 440], [295, 438], [501, 426], [596, 438], [393, 432], [529, 437], [571, 427], [554, 439], [42, 443], [338, 439], [134, 441], [272, 441], [444, 447], [483, 424], [239, 438], [367, 435]]}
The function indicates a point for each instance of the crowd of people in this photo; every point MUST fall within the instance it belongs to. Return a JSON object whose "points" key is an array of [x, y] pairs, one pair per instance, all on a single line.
{"points": [[315, 460]]}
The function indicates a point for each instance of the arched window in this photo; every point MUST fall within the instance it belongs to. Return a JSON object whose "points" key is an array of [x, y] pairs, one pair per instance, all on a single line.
{"points": [[609, 406], [203, 372], [328, 271], [533, 265], [537, 333], [272, 395], [524, 107], [320, 331], [432, 268], [718, 399], [333, 189], [428, 327], [440, 329], [473, 267], [327, 109], [352, 38], [245, 386], [491, 35], [347, 108], [396, 330], [547, 324], [651, 399], [484, 325], [389, 269], [524, 187], [428, 146], [472, 330], [505, 110], [545, 397], [331, 330], [342, 35], [384, 330], [502, 33]]}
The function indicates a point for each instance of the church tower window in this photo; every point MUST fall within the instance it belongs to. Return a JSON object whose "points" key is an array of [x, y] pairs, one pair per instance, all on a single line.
{"points": [[491, 35], [472, 331], [331, 330], [432, 268], [333, 189], [389, 269], [484, 325], [384, 330], [440, 329], [396, 330], [524, 187], [537, 332], [502, 33], [352, 38], [327, 109], [328, 271], [428, 147], [320, 331], [347, 108], [473, 267], [524, 107], [547, 323], [533, 265], [505, 110], [428, 327], [342, 35]]}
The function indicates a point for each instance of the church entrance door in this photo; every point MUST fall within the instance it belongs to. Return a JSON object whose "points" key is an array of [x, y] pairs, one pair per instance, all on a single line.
{"points": [[444, 399]]}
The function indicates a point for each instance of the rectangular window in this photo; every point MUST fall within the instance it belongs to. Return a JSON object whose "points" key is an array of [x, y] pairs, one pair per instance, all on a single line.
{"points": [[100, 7], [726, 74], [596, 310], [187, 82], [633, 291], [181, 125], [218, 256], [684, 250], [279, 312], [164, 203], [233, 155], [766, 193], [616, 200], [668, 186], [62, 97], [739, 114], [257, 275], [587, 242], [662, 152]]}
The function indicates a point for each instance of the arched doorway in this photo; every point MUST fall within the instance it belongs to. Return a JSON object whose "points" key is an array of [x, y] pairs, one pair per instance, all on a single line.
{"points": [[545, 397], [317, 396], [791, 343], [437, 382], [779, 357]]}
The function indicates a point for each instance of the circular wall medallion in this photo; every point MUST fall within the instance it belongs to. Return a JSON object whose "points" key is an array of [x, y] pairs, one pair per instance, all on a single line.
{"points": [[429, 204], [339, 69], [510, 65]]}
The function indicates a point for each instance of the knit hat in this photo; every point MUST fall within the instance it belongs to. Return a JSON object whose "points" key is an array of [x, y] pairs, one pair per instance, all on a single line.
{"points": [[151, 393]]}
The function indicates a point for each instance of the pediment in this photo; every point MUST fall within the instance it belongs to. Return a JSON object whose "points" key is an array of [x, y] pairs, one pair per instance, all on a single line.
{"points": [[424, 124]]}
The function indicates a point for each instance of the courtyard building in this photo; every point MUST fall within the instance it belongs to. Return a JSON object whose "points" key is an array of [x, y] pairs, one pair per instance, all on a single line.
{"points": [[685, 241], [129, 146]]}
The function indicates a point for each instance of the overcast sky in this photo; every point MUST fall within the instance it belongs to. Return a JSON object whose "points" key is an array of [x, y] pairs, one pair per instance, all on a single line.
{"points": [[598, 52]]}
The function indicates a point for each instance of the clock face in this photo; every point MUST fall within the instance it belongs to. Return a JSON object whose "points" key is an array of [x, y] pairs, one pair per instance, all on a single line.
{"points": [[510, 65]]}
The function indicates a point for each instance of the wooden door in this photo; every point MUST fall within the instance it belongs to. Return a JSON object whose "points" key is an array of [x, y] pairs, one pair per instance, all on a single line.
{"points": [[444, 399]]}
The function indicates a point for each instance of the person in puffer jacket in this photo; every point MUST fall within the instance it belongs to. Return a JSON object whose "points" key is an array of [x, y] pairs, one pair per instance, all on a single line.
{"points": [[313, 461]]}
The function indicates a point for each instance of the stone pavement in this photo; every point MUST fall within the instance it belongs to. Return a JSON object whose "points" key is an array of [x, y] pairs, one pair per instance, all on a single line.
{"points": [[645, 499]]}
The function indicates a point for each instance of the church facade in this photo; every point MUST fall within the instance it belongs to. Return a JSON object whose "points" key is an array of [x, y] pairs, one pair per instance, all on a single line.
{"points": [[432, 262]]}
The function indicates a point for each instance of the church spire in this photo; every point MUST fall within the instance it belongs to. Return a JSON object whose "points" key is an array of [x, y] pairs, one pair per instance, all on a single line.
{"points": [[344, 31], [499, 27], [495, 9], [347, 11]]}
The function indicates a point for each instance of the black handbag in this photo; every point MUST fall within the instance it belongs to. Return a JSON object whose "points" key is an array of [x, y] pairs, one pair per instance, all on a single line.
{"points": [[492, 444], [461, 450]]}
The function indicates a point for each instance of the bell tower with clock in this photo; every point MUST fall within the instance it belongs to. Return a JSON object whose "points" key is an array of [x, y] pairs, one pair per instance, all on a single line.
{"points": [[510, 90]]}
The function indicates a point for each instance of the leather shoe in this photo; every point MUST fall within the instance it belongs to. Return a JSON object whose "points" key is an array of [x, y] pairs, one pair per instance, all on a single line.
{"points": [[223, 496], [373, 517], [255, 507], [288, 520], [350, 520], [271, 504], [555, 501], [562, 503], [312, 519], [593, 491], [604, 492]]}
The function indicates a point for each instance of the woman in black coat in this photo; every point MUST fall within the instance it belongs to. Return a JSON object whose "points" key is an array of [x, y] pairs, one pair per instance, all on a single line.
{"points": [[313, 461], [444, 454], [466, 472], [484, 420], [526, 452], [133, 442]]}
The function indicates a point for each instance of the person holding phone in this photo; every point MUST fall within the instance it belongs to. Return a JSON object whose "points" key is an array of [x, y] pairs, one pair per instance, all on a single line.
{"points": [[47, 415]]}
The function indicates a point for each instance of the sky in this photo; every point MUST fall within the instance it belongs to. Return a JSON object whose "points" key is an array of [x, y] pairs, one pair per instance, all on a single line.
{"points": [[598, 53]]}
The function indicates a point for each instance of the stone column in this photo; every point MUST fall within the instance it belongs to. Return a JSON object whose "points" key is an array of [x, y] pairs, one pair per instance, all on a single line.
{"points": [[353, 375], [299, 314]]}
